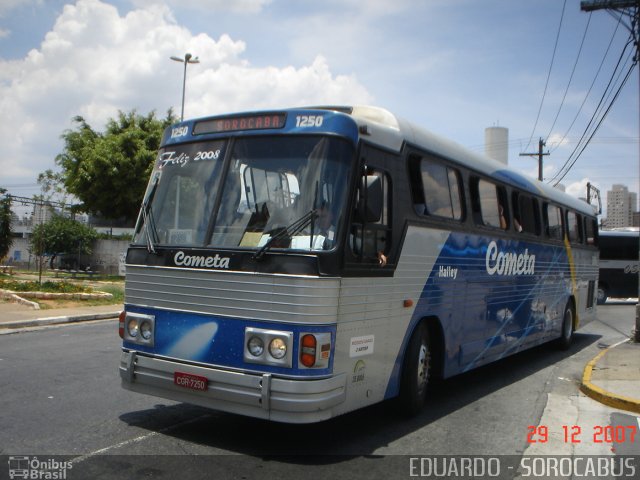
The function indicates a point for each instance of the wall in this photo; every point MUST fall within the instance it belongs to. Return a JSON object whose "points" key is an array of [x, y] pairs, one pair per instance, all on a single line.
{"points": [[106, 256]]}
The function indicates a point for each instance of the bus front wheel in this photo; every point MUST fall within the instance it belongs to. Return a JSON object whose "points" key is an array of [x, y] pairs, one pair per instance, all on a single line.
{"points": [[415, 372]]}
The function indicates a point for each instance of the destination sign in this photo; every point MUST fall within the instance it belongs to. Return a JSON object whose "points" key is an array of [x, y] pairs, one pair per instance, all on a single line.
{"points": [[243, 122]]}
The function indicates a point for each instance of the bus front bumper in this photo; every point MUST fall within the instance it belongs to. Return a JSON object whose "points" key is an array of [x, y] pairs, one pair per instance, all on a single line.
{"points": [[255, 395]]}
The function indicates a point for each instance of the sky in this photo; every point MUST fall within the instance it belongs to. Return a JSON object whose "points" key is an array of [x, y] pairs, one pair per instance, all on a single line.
{"points": [[454, 67]]}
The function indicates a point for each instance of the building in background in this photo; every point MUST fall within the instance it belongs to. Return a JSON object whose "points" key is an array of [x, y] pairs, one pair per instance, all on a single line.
{"points": [[496, 144], [42, 213], [621, 206]]}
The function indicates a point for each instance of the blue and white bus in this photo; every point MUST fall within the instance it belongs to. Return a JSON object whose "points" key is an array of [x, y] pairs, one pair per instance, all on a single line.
{"points": [[297, 264], [618, 276]]}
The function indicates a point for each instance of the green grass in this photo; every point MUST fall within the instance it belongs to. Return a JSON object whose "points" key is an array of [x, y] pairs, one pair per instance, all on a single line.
{"points": [[116, 289], [47, 286]]}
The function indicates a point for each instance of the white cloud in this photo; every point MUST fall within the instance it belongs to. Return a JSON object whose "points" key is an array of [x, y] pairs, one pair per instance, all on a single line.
{"points": [[578, 188], [236, 6], [4, 33], [556, 140], [95, 62]]}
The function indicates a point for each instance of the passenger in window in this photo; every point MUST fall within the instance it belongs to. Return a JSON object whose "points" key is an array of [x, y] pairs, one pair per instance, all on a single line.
{"points": [[516, 225], [503, 221]]}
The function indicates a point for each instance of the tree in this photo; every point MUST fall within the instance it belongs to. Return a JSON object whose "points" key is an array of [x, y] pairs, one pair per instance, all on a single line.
{"points": [[5, 224], [108, 172], [62, 235]]}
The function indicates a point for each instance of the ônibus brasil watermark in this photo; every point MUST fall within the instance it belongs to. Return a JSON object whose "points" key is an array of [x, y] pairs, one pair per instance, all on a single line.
{"points": [[40, 469]]}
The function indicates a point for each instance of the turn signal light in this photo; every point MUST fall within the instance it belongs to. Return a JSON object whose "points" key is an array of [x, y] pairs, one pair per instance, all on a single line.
{"points": [[121, 317], [308, 350]]}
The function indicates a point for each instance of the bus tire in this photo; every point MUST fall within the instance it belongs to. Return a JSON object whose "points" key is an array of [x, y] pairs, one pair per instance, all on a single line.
{"points": [[566, 336], [415, 372], [602, 295]]}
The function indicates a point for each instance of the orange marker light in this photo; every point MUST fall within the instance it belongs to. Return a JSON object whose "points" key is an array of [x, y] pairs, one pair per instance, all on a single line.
{"points": [[308, 351], [121, 323]]}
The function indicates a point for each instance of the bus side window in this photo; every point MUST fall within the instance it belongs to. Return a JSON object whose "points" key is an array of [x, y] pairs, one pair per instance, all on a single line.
{"points": [[492, 201], [371, 237], [441, 190], [525, 214], [573, 227], [553, 222], [591, 229]]}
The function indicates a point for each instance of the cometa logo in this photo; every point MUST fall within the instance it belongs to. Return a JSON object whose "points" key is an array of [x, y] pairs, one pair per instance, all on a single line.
{"points": [[181, 259], [509, 263]]}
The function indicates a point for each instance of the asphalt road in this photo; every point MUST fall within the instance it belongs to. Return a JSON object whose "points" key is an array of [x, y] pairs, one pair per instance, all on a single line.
{"points": [[61, 395]]}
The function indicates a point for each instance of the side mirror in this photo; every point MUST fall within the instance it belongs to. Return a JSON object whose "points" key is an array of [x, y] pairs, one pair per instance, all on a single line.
{"points": [[370, 208]]}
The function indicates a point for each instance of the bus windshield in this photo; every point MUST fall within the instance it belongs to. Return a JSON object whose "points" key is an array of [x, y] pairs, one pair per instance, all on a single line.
{"points": [[280, 192]]}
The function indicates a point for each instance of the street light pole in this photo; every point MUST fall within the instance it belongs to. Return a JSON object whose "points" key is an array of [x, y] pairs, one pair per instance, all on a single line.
{"points": [[187, 60]]}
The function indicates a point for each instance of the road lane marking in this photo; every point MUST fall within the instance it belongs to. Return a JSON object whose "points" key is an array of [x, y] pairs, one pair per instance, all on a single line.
{"points": [[141, 438]]}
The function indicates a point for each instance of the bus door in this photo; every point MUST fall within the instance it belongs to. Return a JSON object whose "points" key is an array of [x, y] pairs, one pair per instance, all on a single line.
{"points": [[368, 309]]}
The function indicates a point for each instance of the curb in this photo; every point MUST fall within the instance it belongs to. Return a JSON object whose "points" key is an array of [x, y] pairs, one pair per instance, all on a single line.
{"points": [[16, 298], [601, 395], [39, 322]]}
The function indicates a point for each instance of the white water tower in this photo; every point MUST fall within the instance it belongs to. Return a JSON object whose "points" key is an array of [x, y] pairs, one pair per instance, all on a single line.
{"points": [[496, 143]]}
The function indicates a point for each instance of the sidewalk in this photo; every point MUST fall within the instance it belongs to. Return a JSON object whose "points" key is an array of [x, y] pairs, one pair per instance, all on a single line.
{"points": [[613, 377], [16, 316]]}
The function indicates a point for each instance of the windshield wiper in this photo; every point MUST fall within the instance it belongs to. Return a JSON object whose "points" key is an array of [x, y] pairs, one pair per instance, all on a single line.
{"points": [[289, 231], [149, 222], [149, 228]]}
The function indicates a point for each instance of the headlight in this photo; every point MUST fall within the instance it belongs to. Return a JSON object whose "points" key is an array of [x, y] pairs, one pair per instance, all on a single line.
{"points": [[146, 330], [132, 328], [278, 348], [268, 347], [138, 328], [255, 346]]}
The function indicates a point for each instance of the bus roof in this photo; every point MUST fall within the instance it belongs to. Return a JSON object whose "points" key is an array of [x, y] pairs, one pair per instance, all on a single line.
{"points": [[392, 132], [381, 127]]}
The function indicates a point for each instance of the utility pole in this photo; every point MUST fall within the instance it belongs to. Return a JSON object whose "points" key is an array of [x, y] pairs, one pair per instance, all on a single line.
{"points": [[630, 9], [538, 154]]}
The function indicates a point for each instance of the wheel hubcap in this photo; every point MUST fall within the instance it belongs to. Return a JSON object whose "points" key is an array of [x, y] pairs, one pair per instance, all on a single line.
{"points": [[423, 367]]}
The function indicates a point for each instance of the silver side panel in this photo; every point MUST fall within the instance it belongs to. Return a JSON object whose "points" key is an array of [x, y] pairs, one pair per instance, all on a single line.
{"points": [[281, 298], [374, 308]]}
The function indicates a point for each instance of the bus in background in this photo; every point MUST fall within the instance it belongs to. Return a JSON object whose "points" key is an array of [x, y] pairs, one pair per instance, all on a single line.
{"points": [[619, 265], [298, 264]]}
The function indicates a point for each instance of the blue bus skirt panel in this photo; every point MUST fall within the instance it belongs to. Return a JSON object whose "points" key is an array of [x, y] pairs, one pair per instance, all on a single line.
{"points": [[492, 298], [209, 349], [219, 341]]}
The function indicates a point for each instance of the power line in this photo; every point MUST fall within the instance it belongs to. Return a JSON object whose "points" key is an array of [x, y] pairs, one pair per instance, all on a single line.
{"points": [[633, 65], [606, 53], [546, 85], [603, 98], [566, 90]]}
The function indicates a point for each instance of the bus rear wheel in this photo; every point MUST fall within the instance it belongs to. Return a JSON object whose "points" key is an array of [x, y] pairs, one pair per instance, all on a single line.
{"points": [[415, 373], [602, 294], [564, 342]]}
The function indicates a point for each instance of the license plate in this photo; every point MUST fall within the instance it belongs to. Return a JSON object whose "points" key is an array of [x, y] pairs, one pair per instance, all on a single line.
{"points": [[190, 381]]}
